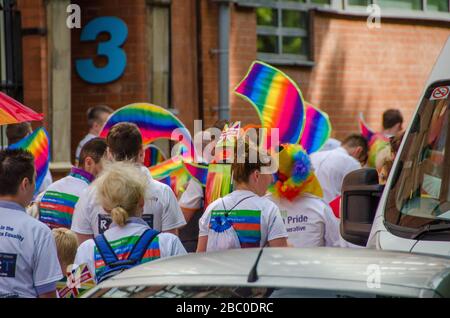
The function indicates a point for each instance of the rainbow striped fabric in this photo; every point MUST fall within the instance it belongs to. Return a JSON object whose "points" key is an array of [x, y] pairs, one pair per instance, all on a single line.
{"points": [[317, 129], [38, 143], [277, 100], [58, 203], [218, 182], [246, 223], [197, 171], [122, 248], [153, 156], [13, 112], [365, 129], [153, 121]]}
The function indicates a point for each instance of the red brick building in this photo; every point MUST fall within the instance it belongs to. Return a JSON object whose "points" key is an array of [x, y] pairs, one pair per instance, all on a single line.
{"points": [[341, 64]]}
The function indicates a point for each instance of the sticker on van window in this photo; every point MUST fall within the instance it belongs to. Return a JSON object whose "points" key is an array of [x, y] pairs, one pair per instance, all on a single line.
{"points": [[440, 93]]}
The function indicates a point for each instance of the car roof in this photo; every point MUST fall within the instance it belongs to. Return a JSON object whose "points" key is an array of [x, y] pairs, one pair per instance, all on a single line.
{"points": [[441, 68], [317, 268]]}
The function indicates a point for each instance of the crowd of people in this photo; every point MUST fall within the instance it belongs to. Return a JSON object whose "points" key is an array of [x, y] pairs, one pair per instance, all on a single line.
{"points": [[109, 214]]}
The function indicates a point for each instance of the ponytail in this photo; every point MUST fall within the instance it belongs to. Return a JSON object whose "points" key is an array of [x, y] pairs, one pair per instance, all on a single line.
{"points": [[119, 216]]}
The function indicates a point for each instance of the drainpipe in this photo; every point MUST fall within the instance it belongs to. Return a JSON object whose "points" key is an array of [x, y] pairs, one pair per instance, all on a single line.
{"points": [[223, 52]]}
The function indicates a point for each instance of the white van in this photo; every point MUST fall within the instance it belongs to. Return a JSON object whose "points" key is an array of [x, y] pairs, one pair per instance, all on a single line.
{"points": [[412, 211]]}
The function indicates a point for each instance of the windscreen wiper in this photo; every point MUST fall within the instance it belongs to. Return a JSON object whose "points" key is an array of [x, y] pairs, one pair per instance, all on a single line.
{"points": [[431, 228]]}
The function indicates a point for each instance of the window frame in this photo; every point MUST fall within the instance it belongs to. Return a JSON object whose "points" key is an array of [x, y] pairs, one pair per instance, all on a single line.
{"points": [[279, 31], [396, 12]]}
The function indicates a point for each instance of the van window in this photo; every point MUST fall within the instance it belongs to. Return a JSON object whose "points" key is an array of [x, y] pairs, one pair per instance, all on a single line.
{"points": [[421, 193]]}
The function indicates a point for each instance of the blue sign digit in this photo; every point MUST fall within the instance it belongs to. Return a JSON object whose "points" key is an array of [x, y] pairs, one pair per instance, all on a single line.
{"points": [[112, 50]]}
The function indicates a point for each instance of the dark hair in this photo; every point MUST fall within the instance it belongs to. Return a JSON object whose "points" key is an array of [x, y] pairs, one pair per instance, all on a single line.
{"points": [[124, 141], [242, 167], [94, 148], [93, 113], [16, 132], [15, 166], [392, 117], [357, 140]]}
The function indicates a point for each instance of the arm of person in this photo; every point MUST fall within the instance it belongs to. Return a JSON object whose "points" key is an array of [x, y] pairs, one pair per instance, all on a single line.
{"points": [[46, 291], [279, 242], [81, 224], [332, 235], [202, 243], [172, 218], [191, 200]]}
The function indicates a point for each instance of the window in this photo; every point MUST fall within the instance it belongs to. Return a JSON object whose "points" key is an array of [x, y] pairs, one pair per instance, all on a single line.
{"points": [[283, 30], [404, 5], [421, 194]]}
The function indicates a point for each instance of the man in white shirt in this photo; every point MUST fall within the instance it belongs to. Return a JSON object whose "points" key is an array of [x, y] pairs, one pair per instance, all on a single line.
{"points": [[96, 116], [161, 209], [29, 265], [332, 166]]}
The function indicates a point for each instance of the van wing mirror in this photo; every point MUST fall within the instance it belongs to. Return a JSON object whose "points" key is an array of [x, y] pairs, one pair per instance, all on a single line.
{"points": [[361, 194]]}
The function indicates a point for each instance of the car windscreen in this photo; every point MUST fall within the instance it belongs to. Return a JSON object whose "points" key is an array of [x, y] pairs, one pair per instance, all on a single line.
{"points": [[183, 291], [420, 192]]}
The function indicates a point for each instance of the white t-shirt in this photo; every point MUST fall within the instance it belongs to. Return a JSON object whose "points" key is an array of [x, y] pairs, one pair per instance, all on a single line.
{"points": [[122, 240], [330, 168], [56, 205], [309, 221], [29, 263], [256, 220], [192, 197], [161, 209], [86, 139]]}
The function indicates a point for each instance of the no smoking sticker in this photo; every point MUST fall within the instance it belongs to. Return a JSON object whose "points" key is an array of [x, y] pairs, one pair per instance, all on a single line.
{"points": [[440, 93]]}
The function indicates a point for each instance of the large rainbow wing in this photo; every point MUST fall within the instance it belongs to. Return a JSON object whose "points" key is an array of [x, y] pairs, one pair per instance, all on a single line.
{"points": [[197, 171], [153, 156], [38, 143], [165, 169], [365, 129], [277, 100], [317, 129], [153, 121]]}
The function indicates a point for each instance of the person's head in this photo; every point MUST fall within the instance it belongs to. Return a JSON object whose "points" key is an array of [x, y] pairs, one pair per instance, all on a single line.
{"points": [[66, 247], [384, 170], [247, 168], [97, 117], [16, 132], [17, 176], [91, 156], [124, 143], [392, 121], [121, 191], [357, 147]]}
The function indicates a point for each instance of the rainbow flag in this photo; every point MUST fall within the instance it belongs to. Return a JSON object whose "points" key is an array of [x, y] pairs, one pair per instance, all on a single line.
{"points": [[365, 129], [197, 171], [317, 129], [153, 156], [153, 121], [166, 168], [277, 100], [13, 112], [38, 143], [246, 223]]}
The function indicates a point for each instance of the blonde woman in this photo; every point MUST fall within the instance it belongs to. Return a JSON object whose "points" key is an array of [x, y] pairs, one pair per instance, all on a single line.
{"points": [[129, 241]]}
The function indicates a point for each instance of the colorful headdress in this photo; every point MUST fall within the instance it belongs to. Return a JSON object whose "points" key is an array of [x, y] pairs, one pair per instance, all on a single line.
{"points": [[376, 141], [295, 174]]}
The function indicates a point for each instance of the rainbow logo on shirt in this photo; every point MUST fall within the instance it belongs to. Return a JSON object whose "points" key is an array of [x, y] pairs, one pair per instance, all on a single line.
{"points": [[56, 209], [122, 248], [246, 223]]}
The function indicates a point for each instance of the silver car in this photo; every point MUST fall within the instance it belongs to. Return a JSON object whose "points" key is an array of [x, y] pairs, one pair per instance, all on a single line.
{"points": [[284, 273]]}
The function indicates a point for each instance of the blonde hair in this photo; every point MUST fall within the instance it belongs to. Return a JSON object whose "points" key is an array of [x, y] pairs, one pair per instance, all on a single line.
{"points": [[120, 189], [66, 246]]}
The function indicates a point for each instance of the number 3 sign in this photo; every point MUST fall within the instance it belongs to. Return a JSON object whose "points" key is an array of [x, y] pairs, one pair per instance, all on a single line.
{"points": [[112, 50]]}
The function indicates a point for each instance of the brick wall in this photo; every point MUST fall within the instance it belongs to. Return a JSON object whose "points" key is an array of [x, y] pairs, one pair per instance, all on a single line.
{"points": [[132, 87], [34, 48]]}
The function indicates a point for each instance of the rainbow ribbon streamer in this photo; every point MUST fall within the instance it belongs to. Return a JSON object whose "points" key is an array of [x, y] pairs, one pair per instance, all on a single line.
{"points": [[364, 129], [277, 100], [197, 171], [317, 129], [153, 156], [218, 183], [38, 143], [153, 121], [165, 169]]}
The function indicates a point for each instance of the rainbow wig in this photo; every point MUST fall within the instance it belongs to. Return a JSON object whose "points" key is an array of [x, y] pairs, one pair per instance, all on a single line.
{"points": [[295, 174]]}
